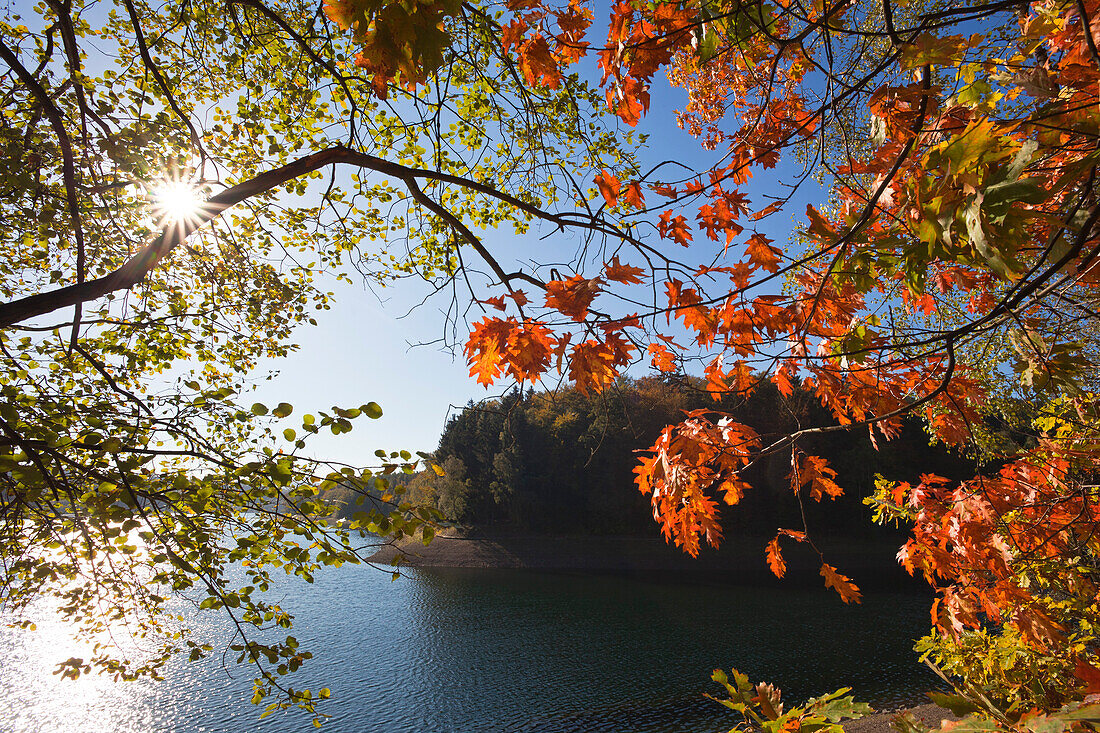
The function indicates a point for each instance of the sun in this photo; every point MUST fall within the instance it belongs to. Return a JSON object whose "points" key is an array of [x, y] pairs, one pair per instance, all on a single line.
{"points": [[177, 202]]}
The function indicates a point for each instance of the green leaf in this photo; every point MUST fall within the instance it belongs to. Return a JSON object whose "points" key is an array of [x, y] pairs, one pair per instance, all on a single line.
{"points": [[282, 409], [372, 410], [957, 704]]}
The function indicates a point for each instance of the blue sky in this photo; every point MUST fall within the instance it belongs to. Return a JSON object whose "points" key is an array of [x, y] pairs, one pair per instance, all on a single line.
{"points": [[362, 350]]}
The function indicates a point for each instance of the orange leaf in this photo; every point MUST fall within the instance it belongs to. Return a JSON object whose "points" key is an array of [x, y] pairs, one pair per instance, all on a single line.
{"points": [[518, 296], [486, 346], [538, 64], [820, 228], [674, 228], [529, 348], [623, 273], [1088, 674], [513, 33], [1037, 627], [849, 592], [782, 382], [662, 358], [775, 558], [340, 12], [633, 195], [591, 366], [768, 210], [573, 296], [497, 302], [815, 472], [609, 187], [762, 254], [686, 304], [733, 490], [629, 100]]}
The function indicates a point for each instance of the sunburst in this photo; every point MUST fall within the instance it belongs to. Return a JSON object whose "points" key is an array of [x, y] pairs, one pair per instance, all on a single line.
{"points": [[178, 202]]}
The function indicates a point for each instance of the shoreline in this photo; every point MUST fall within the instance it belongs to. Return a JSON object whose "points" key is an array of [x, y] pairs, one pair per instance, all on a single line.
{"points": [[929, 713], [869, 563]]}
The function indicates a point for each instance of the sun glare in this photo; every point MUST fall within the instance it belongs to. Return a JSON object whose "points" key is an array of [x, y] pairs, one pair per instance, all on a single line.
{"points": [[178, 202]]}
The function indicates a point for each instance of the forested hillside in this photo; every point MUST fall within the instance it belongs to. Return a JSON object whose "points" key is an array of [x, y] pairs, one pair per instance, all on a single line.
{"points": [[562, 462]]}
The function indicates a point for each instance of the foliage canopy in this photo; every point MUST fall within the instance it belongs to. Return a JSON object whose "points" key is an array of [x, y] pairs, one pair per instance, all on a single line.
{"points": [[951, 276]]}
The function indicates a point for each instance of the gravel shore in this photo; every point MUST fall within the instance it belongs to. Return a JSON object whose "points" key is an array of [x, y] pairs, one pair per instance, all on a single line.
{"points": [[931, 714]]}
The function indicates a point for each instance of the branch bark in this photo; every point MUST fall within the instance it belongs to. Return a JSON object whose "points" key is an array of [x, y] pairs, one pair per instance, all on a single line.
{"points": [[134, 270]]}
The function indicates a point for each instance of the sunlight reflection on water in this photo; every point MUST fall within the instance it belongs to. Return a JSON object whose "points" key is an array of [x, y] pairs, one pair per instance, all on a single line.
{"points": [[37, 700], [476, 651]]}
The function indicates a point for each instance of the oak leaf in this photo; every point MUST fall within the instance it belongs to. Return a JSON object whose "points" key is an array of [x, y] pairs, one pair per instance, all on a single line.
{"points": [[848, 591], [662, 358], [530, 346], [591, 366], [618, 272], [633, 196], [609, 187], [573, 296], [775, 558], [675, 228], [486, 346], [762, 254]]}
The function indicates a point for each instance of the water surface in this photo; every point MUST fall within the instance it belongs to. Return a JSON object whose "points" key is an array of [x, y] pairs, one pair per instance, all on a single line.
{"points": [[486, 651]]}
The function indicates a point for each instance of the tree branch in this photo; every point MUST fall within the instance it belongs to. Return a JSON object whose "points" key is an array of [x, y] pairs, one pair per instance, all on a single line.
{"points": [[134, 270]]}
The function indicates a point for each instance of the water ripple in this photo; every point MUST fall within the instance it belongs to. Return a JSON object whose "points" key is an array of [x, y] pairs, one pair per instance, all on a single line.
{"points": [[488, 651]]}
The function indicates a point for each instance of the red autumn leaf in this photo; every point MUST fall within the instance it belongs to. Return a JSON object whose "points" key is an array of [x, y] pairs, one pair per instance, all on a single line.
{"points": [[518, 296], [633, 196], [814, 472], [497, 302], [340, 12], [618, 272], [591, 366], [1037, 627], [762, 254], [620, 348], [775, 558], [767, 210], [629, 99], [674, 228], [782, 382], [662, 358], [685, 303], [820, 228], [732, 490], [609, 187], [718, 219], [573, 296], [1088, 674], [486, 346], [538, 64], [530, 346], [849, 592], [513, 33]]}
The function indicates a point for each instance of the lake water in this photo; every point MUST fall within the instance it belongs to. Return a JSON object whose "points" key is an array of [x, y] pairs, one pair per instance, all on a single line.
{"points": [[473, 651]]}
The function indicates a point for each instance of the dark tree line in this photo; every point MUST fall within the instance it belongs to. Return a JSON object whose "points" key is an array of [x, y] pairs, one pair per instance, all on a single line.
{"points": [[562, 462]]}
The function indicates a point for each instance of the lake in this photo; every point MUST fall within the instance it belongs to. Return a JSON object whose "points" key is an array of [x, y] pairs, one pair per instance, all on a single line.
{"points": [[474, 651]]}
